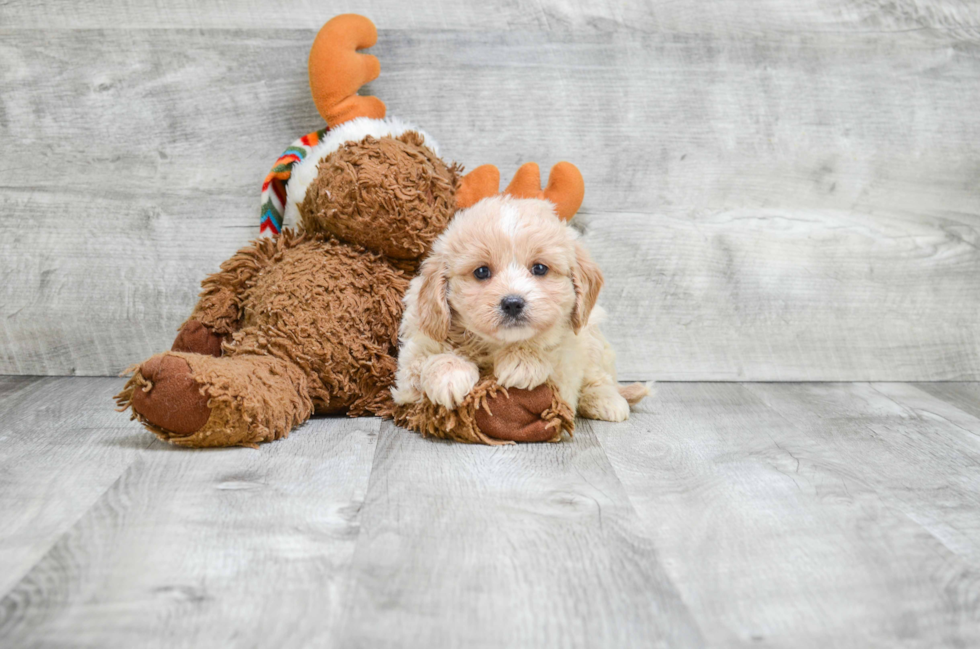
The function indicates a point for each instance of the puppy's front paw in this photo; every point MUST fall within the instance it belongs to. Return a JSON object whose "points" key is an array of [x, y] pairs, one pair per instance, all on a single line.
{"points": [[604, 405], [521, 370], [447, 379]]}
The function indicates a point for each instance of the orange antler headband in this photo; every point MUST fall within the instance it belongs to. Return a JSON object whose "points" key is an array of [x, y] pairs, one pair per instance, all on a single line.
{"points": [[338, 70], [565, 189]]}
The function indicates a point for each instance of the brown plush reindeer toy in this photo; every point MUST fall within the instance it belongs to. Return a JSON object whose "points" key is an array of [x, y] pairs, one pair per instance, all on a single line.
{"points": [[307, 322]]}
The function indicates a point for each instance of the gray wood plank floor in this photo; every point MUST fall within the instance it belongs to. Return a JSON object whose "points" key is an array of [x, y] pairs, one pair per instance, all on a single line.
{"points": [[720, 515]]}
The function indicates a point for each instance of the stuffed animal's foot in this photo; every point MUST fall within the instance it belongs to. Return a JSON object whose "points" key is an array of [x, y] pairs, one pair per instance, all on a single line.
{"points": [[518, 416], [492, 415], [166, 396], [197, 338], [197, 400]]}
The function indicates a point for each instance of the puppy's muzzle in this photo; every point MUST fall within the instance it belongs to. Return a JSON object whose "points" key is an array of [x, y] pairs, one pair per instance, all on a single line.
{"points": [[512, 306]]}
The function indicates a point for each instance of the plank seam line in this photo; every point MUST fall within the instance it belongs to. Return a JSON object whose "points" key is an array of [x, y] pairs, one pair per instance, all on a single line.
{"points": [[68, 530]]}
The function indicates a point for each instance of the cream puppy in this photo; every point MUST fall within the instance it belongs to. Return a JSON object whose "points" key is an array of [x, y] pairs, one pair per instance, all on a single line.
{"points": [[507, 288]]}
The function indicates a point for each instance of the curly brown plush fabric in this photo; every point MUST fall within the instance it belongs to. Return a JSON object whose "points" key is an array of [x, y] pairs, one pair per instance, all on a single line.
{"points": [[389, 194], [333, 309], [250, 399], [195, 338]]}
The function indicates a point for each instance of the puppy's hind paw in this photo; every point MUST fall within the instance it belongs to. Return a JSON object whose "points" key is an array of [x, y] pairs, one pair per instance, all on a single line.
{"points": [[607, 405]]}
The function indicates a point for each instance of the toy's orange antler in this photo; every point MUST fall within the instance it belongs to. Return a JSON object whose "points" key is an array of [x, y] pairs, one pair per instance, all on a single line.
{"points": [[478, 184], [337, 70], [565, 189]]}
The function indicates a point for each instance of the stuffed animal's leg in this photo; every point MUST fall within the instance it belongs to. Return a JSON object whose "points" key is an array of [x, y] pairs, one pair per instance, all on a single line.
{"points": [[198, 400], [220, 309], [493, 415]]}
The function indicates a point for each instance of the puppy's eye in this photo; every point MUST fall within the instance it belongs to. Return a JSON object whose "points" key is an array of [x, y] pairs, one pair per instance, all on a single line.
{"points": [[483, 272], [539, 269]]}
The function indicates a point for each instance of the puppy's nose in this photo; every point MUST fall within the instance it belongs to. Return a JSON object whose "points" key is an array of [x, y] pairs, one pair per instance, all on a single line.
{"points": [[512, 305]]}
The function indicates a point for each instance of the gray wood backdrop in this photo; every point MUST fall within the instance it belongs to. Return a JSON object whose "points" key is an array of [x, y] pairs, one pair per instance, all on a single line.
{"points": [[776, 189]]}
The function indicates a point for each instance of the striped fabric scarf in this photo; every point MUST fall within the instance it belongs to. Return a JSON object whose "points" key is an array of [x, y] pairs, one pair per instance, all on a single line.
{"points": [[274, 186]]}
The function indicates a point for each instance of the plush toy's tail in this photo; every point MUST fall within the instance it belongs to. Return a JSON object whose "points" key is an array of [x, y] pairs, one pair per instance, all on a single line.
{"points": [[337, 70], [634, 393]]}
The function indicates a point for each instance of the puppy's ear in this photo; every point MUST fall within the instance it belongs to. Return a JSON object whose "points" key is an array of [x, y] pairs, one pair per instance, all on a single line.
{"points": [[433, 301], [587, 280]]}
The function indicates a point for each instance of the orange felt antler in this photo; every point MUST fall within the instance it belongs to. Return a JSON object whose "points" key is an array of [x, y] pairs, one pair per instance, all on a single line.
{"points": [[337, 70], [478, 184], [565, 189]]}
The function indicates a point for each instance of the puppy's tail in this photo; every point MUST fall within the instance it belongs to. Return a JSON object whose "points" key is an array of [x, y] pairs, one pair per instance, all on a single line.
{"points": [[634, 393]]}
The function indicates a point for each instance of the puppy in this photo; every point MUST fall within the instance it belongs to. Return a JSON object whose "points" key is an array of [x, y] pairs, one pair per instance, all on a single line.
{"points": [[508, 288]]}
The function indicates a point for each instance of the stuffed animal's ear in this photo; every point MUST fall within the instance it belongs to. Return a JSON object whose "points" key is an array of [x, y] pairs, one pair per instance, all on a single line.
{"points": [[587, 280], [433, 299], [337, 70]]}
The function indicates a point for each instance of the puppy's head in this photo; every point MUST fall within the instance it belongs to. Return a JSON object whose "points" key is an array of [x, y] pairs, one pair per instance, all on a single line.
{"points": [[507, 270]]}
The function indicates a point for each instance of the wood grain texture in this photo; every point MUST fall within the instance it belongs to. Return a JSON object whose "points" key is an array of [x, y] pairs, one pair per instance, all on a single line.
{"points": [[201, 548], [719, 515], [521, 546], [965, 396], [820, 488], [784, 294], [157, 170], [61, 447], [956, 17], [788, 193]]}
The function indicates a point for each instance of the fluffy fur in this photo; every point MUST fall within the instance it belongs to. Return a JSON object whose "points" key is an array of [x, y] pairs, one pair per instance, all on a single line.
{"points": [[308, 322], [455, 325], [305, 172], [365, 189]]}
